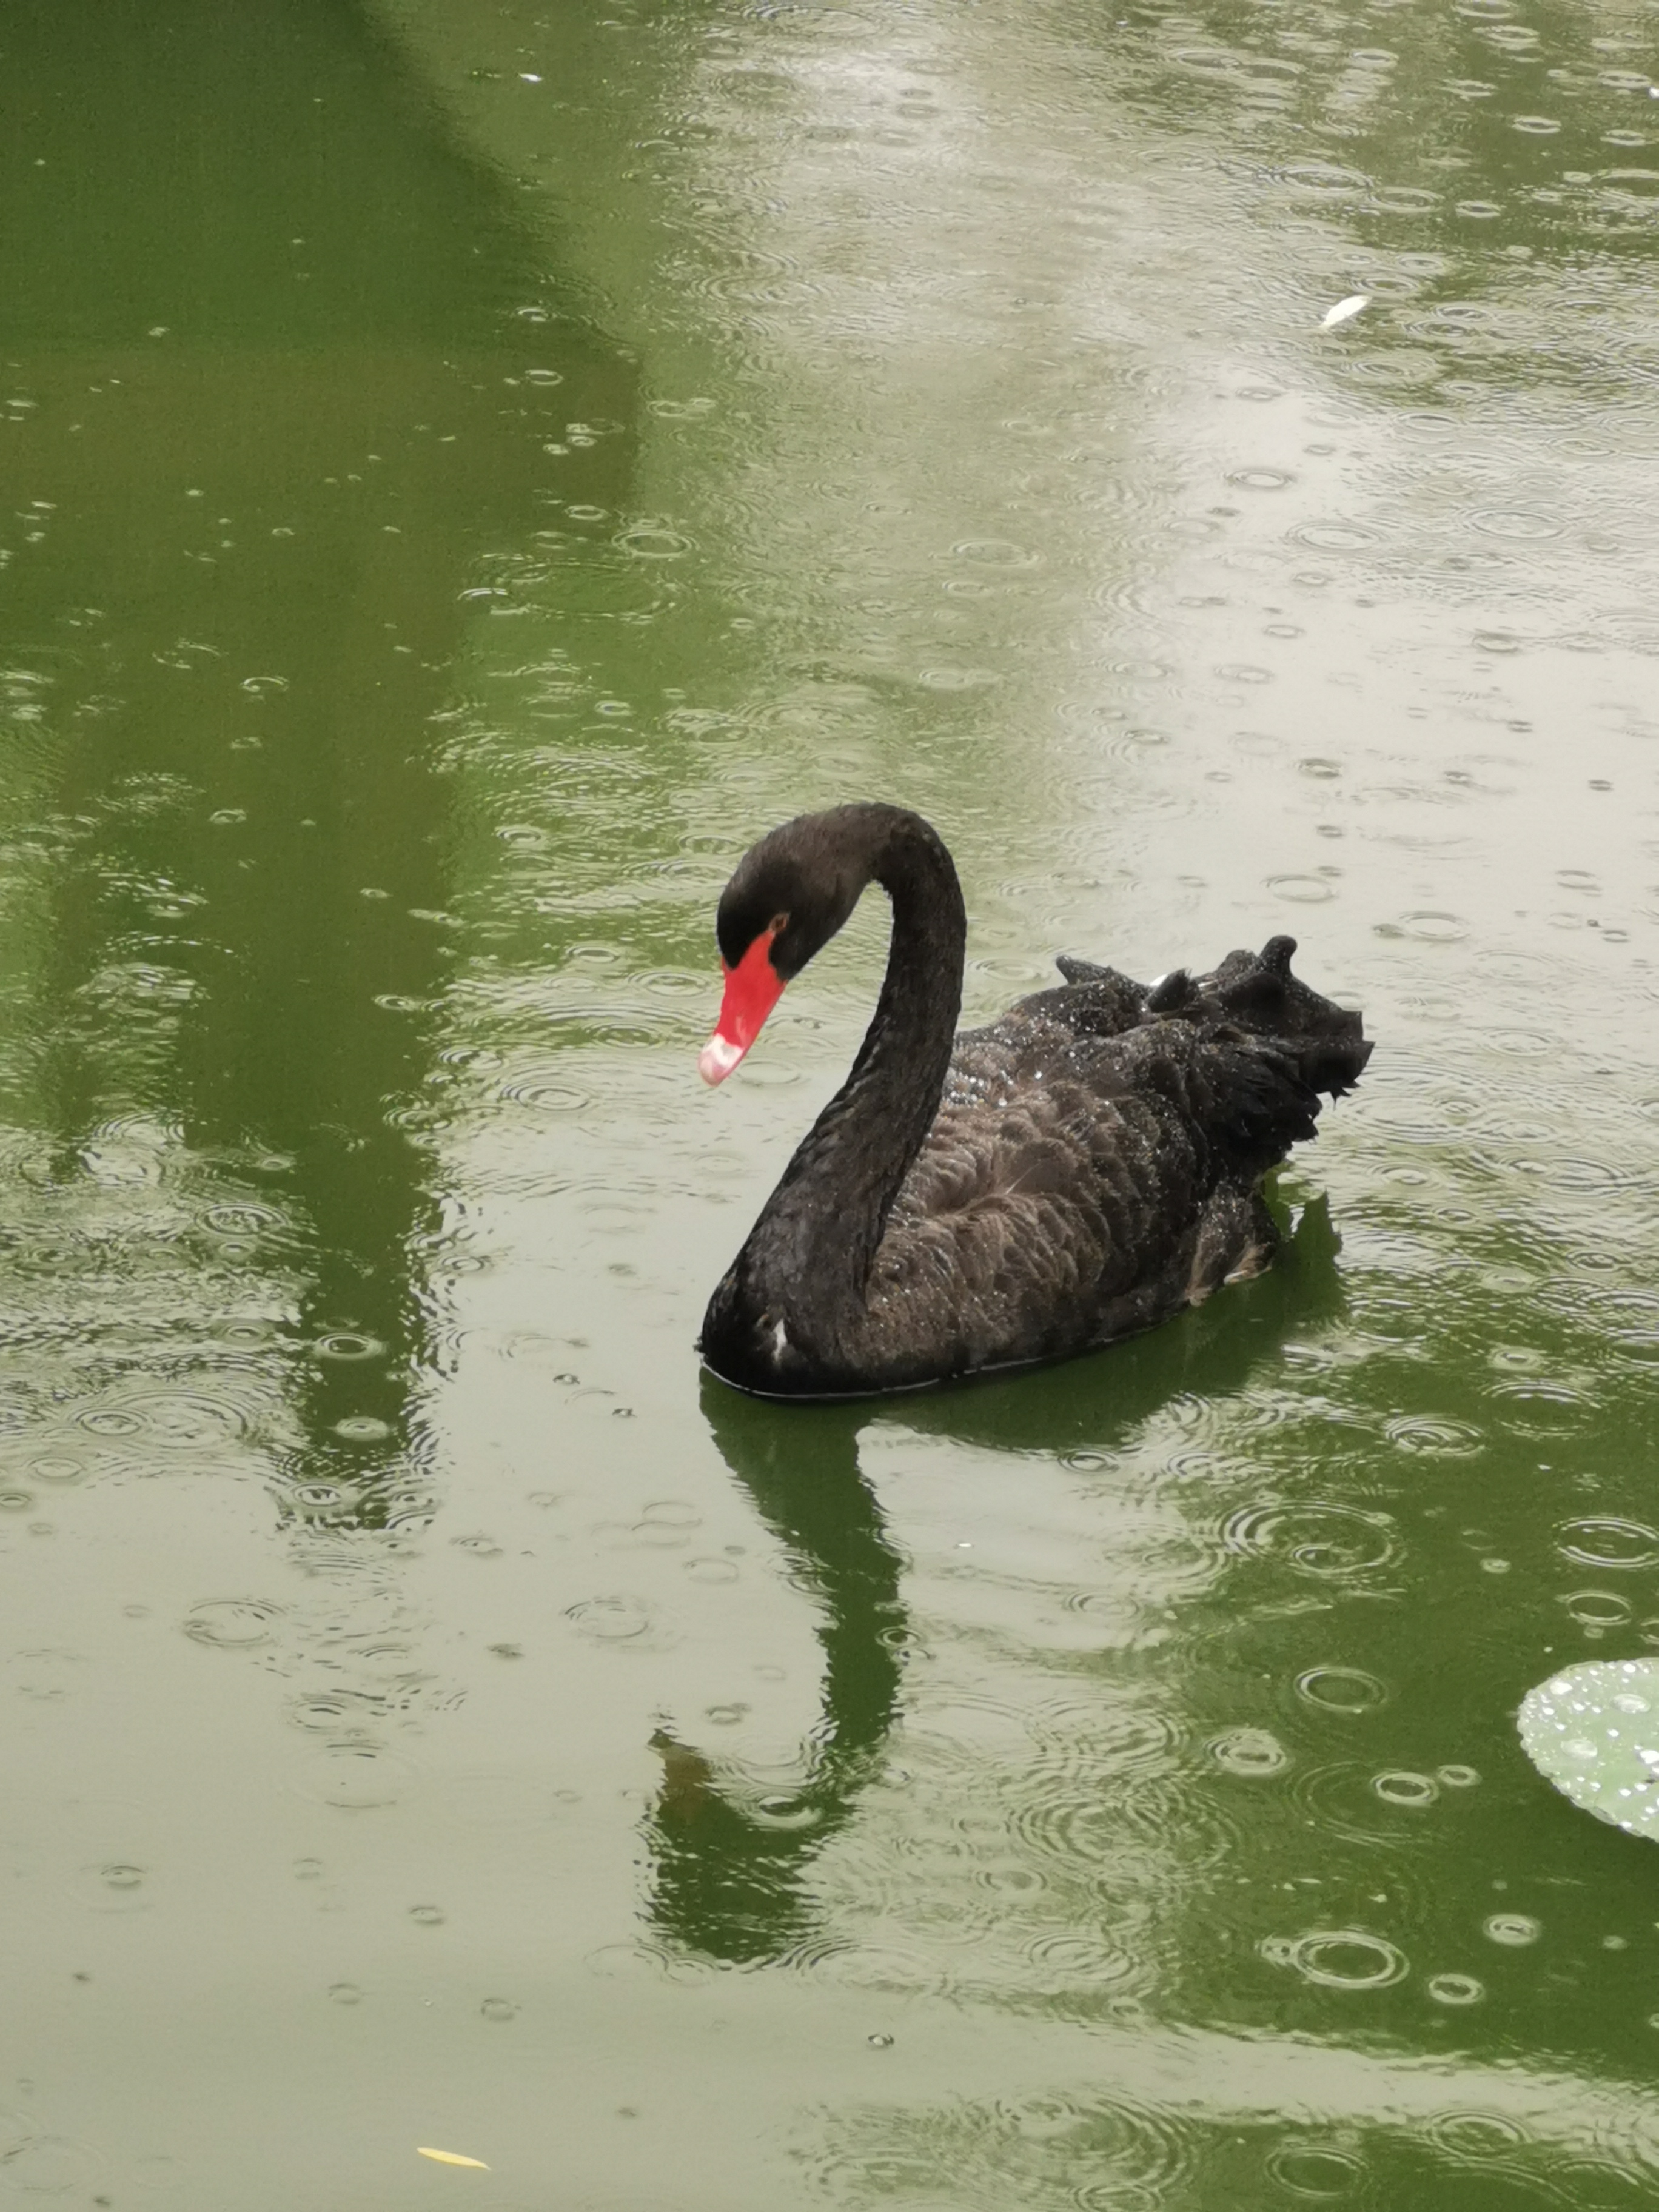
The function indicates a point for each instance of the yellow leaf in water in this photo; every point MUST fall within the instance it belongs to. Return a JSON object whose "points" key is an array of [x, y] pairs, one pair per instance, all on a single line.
{"points": [[450, 2158]]}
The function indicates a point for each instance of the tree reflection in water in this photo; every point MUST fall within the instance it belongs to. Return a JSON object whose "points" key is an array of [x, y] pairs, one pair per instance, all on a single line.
{"points": [[296, 377]]}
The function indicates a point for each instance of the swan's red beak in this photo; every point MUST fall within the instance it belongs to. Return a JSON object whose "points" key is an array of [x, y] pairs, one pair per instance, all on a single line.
{"points": [[752, 990]]}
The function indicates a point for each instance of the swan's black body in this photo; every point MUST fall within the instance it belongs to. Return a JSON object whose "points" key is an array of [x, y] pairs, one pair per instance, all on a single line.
{"points": [[1082, 1168]]}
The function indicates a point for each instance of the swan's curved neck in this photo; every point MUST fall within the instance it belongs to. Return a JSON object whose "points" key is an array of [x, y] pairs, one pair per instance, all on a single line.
{"points": [[809, 1255]]}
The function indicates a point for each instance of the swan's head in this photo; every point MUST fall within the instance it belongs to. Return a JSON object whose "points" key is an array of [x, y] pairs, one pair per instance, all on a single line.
{"points": [[790, 895]]}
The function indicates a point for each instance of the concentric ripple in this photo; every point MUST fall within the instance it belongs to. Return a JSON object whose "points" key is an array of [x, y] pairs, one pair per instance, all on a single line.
{"points": [[1316, 2172], [1340, 1958], [1349, 1798], [1455, 1989], [178, 1420], [1513, 1930], [1590, 2184], [1252, 1752], [1053, 2152], [55, 2166], [1399, 1786], [358, 1777], [1598, 1610], [1430, 1437], [1475, 2138], [1341, 1690], [1607, 1540], [348, 1345], [1315, 1538], [1063, 1962], [232, 1623], [618, 1618]]}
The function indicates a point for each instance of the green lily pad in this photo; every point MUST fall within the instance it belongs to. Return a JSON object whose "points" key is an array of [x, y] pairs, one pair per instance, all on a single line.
{"points": [[1593, 1730]]}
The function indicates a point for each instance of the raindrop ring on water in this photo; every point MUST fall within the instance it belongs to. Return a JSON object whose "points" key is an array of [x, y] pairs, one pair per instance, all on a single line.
{"points": [[1400, 1787], [1344, 1959], [1341, 1689], [1593, 1609], [1607, 1540], [349, 1344], [614, 1619], [1475, 2138], [1513, 1929], [1432, 1437], [1313, 2173], [358, 1777], [232, 1624], [1317, 1538], [1249, 1751]]}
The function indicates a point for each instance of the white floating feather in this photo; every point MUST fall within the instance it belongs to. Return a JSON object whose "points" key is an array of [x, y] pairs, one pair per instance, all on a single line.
{"points": [[1343, 309]]}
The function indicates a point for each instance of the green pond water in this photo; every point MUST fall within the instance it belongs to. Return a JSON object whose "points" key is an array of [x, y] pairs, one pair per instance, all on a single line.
{"points": [[470, 466]]}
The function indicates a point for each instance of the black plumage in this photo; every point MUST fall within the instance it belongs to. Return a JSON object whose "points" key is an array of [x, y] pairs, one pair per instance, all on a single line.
{"points": [[1076, 1171]]}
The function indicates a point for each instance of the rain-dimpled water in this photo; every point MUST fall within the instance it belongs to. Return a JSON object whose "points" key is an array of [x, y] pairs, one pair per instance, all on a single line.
{"points": [[470, 469]]}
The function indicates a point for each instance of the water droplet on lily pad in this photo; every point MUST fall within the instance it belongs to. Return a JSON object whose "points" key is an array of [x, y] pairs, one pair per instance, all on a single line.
{"points": [[1576, 1730]]}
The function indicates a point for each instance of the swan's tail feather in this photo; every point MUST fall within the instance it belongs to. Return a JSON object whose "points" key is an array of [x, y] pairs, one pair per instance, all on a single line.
{"points": [[1259, 992], [1086, 971], [1254, 991]]}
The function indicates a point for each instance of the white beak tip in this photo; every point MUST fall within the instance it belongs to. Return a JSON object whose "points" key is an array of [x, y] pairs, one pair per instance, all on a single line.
{"points": [[717, 1058]]}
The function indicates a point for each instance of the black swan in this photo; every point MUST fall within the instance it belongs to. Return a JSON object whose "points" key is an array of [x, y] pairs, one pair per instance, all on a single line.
{"points": [[1083, 1168]]}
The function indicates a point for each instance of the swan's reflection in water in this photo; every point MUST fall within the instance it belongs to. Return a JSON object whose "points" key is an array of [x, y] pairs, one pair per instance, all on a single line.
{"points": [[731, 1870], [728, 1875]]}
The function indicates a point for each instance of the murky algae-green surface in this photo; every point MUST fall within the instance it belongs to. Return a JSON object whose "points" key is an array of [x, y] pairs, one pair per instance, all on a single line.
{"points": [[468, 467]]}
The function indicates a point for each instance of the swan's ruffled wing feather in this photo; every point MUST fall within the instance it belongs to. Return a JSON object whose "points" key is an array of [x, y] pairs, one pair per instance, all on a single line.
{"points": [[1075, 1188]]}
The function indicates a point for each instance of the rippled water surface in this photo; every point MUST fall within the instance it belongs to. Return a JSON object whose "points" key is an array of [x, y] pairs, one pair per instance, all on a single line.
{"points": [[468, 469]]}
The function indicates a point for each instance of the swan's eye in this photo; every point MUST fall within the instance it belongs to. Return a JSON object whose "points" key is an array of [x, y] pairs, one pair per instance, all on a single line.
{"points": [[778, 924]]}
